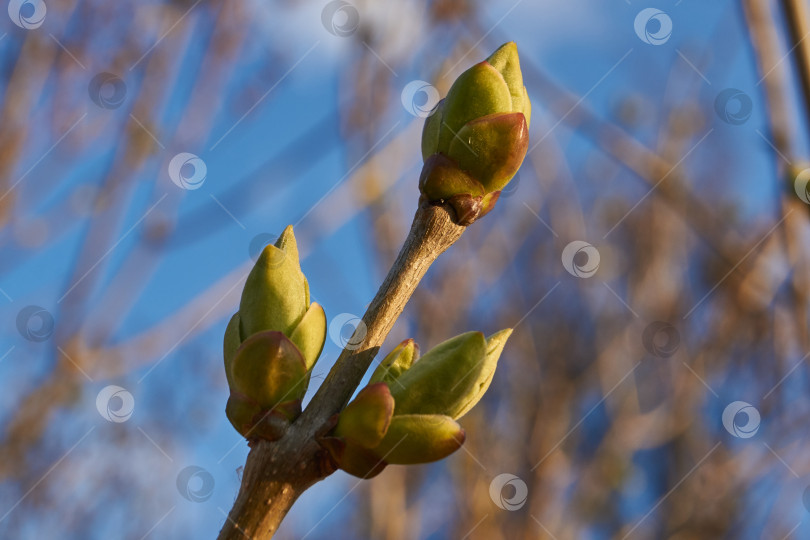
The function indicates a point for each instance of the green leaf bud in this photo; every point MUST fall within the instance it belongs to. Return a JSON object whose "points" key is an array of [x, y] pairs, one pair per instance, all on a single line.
{"points": [[272, 343], [495, 345], [491, 148], [450, 378], [420, 438], [253, 422], [310, 334], [276, 293], [440, 381], [353, 458], [268, 369], [407, 415], [479, 91], [481, 129], [365, 420], [396, 363]]}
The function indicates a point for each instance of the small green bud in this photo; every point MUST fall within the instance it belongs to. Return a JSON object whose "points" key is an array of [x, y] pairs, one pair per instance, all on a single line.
{"points": [[396, 363], [241, 411], [253, 422], [276, 293], [272, 343], [420, 438], [367, 436], [481, 132], [268, 369], [407, 414], [442, 379], [365, 420], [492, 148], [452, 377], [495, 345], [353, 458]]}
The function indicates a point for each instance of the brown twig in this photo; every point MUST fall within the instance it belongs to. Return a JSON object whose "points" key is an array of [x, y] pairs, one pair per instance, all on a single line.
{"points": [[797, 17], [277, 473]]}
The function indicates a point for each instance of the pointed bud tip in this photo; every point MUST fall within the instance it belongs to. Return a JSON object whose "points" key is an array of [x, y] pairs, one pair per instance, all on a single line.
{"points": [[505, 58], [505, 51], [410, 343], [285, 237], [461, 437], [502, 335], [497, 341]]}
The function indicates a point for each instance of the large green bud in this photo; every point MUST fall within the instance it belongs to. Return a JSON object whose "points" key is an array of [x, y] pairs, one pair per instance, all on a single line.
{"points": [[451, 378], [272, 343], [408, 413], [476, 139]]}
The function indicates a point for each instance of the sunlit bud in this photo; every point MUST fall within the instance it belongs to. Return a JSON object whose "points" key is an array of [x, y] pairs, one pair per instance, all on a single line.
{"points": [[271, 345], [276, 293], [407, 415], [441, 381], [253, 422], [481, 132], [420, 438], [397, 361], [365, 420], [268, 369], [310, 334], [495, 345]]}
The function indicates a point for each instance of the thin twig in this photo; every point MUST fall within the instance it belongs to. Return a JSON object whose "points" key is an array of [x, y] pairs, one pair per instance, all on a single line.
{"points": [[277, 473]]}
